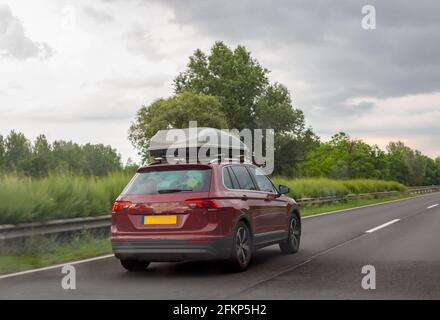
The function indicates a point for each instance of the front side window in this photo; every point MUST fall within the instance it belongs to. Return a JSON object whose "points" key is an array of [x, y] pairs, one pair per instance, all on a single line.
{"points": [[163, 181], [263, 182]]}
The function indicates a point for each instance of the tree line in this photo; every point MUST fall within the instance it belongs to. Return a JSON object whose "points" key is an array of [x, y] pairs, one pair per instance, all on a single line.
{"points": [[39, 158], [345, 158], [228, 88]]}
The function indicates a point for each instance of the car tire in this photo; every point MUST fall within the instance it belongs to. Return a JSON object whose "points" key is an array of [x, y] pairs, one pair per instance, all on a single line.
{"points": [[134, 265], [291, 245], [241, 254]]}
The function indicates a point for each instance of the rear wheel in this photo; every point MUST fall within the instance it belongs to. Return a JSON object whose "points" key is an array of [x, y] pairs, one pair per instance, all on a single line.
{"points": [[291, 245], [134, 265], [241, 254]]}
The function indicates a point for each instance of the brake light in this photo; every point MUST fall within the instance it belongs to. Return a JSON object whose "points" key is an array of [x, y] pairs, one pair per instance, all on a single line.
{"points": [[120, 205], [202, 203]]}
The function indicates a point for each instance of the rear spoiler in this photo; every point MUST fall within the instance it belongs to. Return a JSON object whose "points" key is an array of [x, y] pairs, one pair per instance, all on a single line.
{"points": [[177, 166]]}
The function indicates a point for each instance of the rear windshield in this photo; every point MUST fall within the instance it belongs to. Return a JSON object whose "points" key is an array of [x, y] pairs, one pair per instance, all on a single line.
{"points": [[169, 181]]}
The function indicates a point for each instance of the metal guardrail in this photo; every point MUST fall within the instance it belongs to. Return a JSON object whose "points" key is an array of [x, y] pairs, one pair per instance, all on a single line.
{"points": [[425, 189], [330, 199], [53, 227]]}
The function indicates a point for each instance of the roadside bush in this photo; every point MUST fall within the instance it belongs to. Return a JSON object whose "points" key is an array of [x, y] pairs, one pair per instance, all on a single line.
{"points": [[322, 187], [57, 196]]}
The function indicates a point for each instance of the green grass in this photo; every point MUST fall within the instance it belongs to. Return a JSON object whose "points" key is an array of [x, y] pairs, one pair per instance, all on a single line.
{"points": [[321, 187], [57, 197], [311, 210], [68, 196], [41, 252]]}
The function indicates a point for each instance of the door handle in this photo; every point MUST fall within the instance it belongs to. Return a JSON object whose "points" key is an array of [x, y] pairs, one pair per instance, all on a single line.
{"points": [[244, 197]]}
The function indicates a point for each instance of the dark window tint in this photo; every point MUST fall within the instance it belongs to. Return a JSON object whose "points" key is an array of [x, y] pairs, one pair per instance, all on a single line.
{"points": [[243, 177], [157, 181], [233, 178], [227, 179], [263, 182]]}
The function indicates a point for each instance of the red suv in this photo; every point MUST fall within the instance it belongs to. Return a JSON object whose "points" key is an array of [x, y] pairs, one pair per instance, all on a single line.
{"points": [[201, 211]]}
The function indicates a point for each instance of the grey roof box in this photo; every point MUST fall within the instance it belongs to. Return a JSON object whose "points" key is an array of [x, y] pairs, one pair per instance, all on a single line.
{"points": [[194, 138]]}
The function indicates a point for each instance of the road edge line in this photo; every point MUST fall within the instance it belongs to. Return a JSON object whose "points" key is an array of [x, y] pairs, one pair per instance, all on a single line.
{"points": [[20, 273]]}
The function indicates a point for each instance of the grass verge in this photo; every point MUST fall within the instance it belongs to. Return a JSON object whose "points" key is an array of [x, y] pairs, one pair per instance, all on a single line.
{"points": [[311, 210], [41, 252]]}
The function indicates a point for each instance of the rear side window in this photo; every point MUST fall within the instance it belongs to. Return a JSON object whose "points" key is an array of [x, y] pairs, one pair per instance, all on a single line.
{"points": [[163, 181], [229, 179], [243, 177]]}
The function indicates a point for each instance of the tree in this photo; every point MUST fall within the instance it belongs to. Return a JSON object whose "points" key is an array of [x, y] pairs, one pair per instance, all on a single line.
{"points": [[292, 150], [175, 112], [130, 166], [2, 153], [17, 153], [397, 164], [432, 174], [232, 76], [346, 158], [248, 99], [41, 158], [99, 159], [67, 157], [406, 165], [241, 84]]}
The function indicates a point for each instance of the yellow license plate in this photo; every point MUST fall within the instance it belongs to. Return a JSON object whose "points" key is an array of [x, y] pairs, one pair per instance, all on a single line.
{"points": [[168, 219]]}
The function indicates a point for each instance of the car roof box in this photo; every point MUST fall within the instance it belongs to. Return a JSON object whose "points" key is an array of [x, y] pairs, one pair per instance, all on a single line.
{"points": [[188, 141]]}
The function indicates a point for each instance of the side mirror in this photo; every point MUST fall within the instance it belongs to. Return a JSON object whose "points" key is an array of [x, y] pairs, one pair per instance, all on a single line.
{"points": [[283, 189]]}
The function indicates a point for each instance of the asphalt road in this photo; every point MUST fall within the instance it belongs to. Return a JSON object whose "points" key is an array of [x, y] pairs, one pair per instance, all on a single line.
{"points": [[334, 248]]}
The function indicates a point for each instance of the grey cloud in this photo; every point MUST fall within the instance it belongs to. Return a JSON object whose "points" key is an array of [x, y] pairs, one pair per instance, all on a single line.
{"points": [[151, 81], [15, 43], [325, 45], [97, 15], [141, 41]]}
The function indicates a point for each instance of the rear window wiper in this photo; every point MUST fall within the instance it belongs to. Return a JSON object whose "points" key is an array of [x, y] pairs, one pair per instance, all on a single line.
{"points": [[174, 190]]}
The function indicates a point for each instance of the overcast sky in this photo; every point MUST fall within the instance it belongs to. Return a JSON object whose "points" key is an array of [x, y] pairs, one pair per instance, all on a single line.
{"points": [[79, 70]]}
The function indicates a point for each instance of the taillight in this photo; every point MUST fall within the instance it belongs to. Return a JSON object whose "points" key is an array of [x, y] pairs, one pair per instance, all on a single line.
{"points": [[120, 205], [202, 203]]}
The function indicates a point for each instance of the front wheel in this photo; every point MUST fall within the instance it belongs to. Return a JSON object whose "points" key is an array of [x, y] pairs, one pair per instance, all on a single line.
{"points": [[134, 265], [291, 245], [241, 254]]}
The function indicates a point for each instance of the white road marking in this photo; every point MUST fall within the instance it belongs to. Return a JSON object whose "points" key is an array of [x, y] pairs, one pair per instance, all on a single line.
{"points": [[56, 266], [382, 226], [433, 206]]}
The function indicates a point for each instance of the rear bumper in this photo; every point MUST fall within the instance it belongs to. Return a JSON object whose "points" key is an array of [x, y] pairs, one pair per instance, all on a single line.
{"points": [[172, 250]]}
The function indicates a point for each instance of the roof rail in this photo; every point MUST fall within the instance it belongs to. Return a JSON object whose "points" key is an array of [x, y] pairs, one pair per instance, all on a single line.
{"points": [[215, 158]]}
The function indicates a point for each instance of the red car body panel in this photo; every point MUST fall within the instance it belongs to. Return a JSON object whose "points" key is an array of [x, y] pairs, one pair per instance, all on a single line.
{"points": [[198, 233]]}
